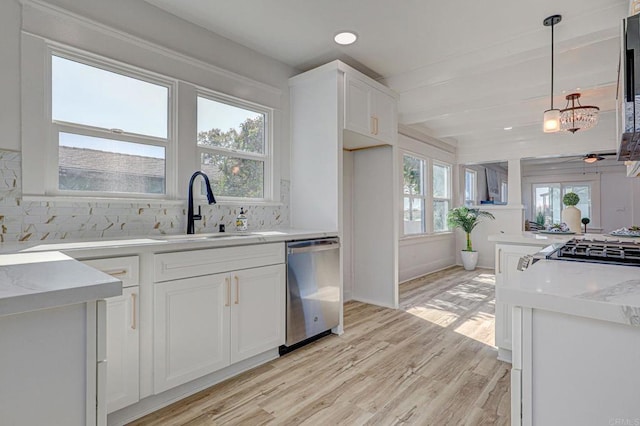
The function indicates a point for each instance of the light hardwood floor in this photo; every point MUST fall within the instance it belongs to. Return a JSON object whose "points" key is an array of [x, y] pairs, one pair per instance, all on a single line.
{"points": [[431, 362]]}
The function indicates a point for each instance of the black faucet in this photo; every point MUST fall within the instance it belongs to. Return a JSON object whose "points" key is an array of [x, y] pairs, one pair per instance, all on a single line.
{"points": [[210, 198]]}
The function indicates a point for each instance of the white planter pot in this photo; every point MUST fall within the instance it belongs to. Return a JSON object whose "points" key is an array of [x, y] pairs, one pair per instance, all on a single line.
{"points": [[571, 215], [469, 259]]}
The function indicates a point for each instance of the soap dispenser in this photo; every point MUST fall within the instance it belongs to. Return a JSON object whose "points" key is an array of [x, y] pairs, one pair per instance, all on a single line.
{"points": [[241, 221]]}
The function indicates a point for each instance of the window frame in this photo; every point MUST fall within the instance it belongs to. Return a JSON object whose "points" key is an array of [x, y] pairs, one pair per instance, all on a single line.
{"points": [[474, 200], [594, 192], [449, 188], [429, 198], [423, 196], [51, 186], [267, 157]]}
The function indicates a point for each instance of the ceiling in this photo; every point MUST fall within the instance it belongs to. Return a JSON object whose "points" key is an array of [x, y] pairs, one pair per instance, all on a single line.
{"points": [[464, 70]]}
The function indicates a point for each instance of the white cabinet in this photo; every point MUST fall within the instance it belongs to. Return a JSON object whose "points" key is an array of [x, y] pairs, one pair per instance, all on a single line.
{"points": [[206, 323], [369, 111], [345, 173], [191, 329], [123, 349], [257, 312], [123, 332], [507, 257]]}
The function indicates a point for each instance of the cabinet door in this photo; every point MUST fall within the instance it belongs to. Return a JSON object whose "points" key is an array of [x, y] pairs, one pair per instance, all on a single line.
{"points": [[258, 316], [384, 112], [358, 107], [191, 329], [507, 274], [123, 345]]}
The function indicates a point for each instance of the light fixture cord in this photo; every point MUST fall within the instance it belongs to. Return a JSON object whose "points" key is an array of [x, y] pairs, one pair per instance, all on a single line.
{"points": [[552, 25]]}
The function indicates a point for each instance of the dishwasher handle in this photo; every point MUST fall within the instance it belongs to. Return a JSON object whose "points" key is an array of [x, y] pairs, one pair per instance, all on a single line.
{"points": [[312, 246]]}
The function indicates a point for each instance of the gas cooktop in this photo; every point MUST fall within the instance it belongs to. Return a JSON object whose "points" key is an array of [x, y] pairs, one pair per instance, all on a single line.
{"points": [[593, 250]]}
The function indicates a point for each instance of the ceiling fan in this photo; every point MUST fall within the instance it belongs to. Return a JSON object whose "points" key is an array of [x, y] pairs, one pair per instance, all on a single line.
{"points": [[594, 158]]}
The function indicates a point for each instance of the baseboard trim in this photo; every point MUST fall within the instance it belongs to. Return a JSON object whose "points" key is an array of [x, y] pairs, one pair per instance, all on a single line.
{"points": [[155, 402]]}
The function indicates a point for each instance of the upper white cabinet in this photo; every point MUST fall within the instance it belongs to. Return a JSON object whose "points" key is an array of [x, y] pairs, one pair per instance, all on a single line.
{"points": [[369, 111]]}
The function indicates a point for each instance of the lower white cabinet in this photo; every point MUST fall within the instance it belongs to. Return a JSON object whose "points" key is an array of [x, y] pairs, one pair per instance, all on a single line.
{"points": [[123, 349], [507, 257], [206, 323]]}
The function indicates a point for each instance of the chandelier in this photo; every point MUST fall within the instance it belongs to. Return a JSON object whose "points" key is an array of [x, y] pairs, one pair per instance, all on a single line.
{"points": [[577, 117]]}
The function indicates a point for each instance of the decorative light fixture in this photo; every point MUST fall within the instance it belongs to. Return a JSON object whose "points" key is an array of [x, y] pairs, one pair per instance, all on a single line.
{"points": [[345, 38], [574, 118], [551, 121], [592, 158]]}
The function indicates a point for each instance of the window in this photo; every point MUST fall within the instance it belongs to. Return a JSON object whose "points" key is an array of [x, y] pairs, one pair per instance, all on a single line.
{"points": [[233, 147], [548, 201], [470, 187], [441, 196], [504, 192], [426, 194], [414, 195], [111, 127]]}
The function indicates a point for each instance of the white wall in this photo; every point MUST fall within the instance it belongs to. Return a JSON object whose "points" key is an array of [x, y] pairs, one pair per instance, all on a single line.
{"points": [[10, 75], [419, 255]]}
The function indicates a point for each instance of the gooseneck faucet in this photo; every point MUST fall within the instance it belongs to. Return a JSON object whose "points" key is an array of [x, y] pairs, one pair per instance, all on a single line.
{"points": [[210, 198]]}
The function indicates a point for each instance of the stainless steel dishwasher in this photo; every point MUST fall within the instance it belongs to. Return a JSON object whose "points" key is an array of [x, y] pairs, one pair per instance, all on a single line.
{"points": [[313, 289]]}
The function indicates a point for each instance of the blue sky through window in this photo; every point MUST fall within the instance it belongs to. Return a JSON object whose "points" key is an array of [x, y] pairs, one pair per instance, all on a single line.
{"points": [[110, 145]]}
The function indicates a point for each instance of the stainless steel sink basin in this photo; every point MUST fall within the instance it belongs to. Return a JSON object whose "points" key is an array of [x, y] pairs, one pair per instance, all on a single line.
{"points": [[192, 237]]}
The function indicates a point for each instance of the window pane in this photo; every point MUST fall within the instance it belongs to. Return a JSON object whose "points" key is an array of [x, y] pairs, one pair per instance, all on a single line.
{"points": [[440, 211], [225, 126], [441, 176], [548, 204], [234, 177], [584, 192], [105, 165], [91, 96], [413, 216], [413, 171], [470, 187]]}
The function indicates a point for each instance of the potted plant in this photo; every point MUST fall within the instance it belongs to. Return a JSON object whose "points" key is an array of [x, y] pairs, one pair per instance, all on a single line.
{"points": [[571, 214], [467, 219]]}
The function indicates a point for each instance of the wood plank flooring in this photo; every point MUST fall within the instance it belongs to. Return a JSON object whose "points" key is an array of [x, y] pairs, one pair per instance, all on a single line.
{"points": [[431, 362]]}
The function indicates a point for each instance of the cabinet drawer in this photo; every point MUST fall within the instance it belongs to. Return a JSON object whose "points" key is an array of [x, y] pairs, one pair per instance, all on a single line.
{"points": [[171, 266], [123, 268]]}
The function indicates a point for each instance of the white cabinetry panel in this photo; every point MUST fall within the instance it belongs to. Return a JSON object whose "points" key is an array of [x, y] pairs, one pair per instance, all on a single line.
{"points": [[257, 314], [358, 115], [191, 329]]}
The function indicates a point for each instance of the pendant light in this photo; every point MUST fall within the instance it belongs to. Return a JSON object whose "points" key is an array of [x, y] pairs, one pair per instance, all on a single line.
{"points": [[551, 123], [578, 117]]}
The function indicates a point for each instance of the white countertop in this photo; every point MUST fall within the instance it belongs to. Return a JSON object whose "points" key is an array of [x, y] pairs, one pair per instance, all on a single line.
{"points": [[164, 243], [534, 238], [591, 290], [33, 281]]}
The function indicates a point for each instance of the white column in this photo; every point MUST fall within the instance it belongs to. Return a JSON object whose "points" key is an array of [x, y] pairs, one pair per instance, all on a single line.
{"points": [[514, 182]]}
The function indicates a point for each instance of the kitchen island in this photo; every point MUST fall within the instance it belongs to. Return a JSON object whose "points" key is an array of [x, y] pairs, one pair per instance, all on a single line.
{"points": [[576, 344], [52, 340]]}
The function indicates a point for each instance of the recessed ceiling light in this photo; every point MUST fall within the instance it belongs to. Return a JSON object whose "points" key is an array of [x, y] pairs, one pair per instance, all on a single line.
{"points": [[345, 38], [508, 128]]}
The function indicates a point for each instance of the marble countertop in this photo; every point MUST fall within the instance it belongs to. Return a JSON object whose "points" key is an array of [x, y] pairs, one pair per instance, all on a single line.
{"points": [[164, 243], [591, 290], [534, 238], [33, 281]]}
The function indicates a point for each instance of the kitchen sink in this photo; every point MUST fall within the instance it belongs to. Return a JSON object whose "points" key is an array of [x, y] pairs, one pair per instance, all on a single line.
{"points": [[192, 237]]}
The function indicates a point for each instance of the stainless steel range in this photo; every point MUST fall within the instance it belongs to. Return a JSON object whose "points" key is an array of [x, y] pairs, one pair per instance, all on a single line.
{"points": [[599, 251], [613, 252]]}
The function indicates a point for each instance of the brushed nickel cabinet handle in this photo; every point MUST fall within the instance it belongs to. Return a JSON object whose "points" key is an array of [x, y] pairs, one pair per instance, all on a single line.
{"points": [[134, 313], [373, 125], [237, 290], [499, 261], [228, 282], [375, 120], [117, 273]]}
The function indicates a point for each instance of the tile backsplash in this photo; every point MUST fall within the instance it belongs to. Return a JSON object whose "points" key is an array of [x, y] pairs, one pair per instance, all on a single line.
{"points": [[56, 220]]}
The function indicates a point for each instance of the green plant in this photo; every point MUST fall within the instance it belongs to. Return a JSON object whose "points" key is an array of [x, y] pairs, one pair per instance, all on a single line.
{"points": [[466, 219], [570, 199], [540, 218]]}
